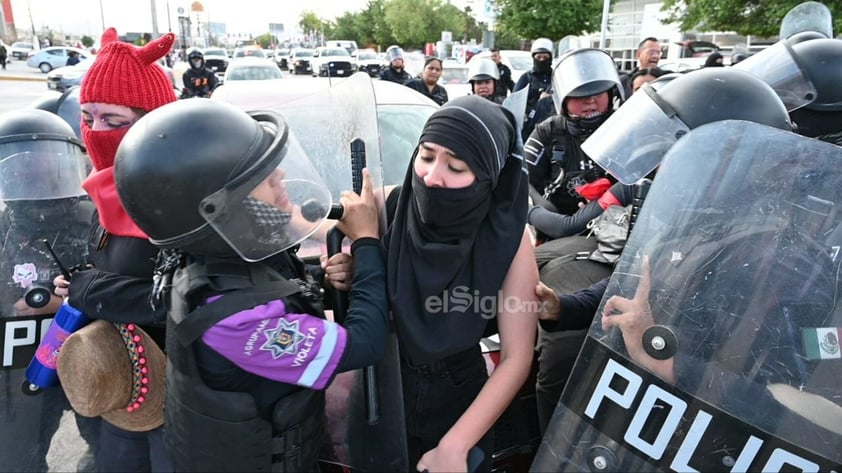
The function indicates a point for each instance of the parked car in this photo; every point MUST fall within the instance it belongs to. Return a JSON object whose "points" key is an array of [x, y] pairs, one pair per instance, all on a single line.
{"points": [[369, 62], [518, 61], [333, 62], [282, 58], [50, 58], [454, 79], [63, 78], [216, 59], [300, 61], [252, 69], [20, 50]]}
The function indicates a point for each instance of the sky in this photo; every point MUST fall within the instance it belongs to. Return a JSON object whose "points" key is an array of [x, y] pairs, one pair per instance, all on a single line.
{"points": [[78, 17]]}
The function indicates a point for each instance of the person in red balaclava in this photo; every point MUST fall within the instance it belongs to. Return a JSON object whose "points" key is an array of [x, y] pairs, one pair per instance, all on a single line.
{"points": [[122, 85]]}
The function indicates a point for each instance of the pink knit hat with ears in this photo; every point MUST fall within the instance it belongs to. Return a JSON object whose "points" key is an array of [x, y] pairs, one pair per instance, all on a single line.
{"points": [[123, 74]]}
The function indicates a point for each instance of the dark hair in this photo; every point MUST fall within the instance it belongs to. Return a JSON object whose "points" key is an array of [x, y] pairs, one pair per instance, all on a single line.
{"points": [[431, 59], [646, 40], [495, 50], [652, 71]]}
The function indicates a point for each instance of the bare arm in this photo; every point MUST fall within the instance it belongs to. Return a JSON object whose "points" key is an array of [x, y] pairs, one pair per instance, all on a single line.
{"points": [[517, 341]]}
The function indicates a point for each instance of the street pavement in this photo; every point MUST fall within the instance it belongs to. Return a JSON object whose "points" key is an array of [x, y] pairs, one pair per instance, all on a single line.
{"points": [[18, 70]]}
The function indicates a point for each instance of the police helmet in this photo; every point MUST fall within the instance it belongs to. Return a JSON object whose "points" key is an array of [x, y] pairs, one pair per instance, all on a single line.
{"points": [[804, 36], [482, 69], [583, 73], [254, 175], [195, 53], [64, 104], [40, 157], [821, 59], [736, 58], [630, 151], [541, 45], [394, 53], [781, 68]]}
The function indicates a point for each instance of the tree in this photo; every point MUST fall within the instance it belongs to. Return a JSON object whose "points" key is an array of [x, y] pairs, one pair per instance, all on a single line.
{"points": [[746, 17], [310, 21], [265, 40], [553, 19], [87, 41], [415, 22]]}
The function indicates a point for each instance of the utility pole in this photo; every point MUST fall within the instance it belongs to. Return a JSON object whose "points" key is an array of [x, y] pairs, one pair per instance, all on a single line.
{"points": [[155, 33], [35, 39], [169, 17], [101, 16]]}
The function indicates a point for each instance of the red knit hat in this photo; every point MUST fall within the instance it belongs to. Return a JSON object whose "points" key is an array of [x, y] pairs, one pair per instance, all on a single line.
{"points": [[123, 74]]}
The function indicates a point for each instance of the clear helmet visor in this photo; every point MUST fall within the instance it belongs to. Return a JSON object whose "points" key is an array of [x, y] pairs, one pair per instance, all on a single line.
{"points": [[808, 16], [634, 140], [582, 73], [777, 67], [269, 213], [394, 54], [41, 170]]}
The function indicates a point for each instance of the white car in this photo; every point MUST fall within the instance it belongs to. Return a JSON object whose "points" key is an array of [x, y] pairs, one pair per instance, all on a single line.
{"points": [[518, 61], [20, 50], [50, 58], [333, 62], [454, 79], [252, 69]]}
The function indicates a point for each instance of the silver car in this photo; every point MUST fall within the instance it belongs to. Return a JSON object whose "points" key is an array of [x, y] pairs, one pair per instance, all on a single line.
{"points": [[53, 57]]}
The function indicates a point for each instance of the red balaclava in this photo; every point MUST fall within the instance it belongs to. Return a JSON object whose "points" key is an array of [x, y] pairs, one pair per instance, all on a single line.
{"points": [[122, 74]]}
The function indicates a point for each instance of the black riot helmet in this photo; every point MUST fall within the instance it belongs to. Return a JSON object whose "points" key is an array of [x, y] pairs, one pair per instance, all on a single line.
{"points": [[821, 59], [65, 105], [629, 150], [238, 189], [40, 157], [196, 53]]}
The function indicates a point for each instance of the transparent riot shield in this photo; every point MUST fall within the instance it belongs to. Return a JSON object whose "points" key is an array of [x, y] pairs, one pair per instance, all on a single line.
{"points": [[716, 345], [807, 16], [40, 199], [516, 103], [326, 123]]}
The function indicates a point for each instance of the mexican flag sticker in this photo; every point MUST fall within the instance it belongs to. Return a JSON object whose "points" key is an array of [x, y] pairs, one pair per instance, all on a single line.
{"points": [[821, 343]]}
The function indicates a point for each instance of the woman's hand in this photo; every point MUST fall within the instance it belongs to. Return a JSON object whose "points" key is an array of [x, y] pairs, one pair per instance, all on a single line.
{"points": [[339, 270], [359, 215], [550, 307], [62, 286], [443, 459], [632, 316]]}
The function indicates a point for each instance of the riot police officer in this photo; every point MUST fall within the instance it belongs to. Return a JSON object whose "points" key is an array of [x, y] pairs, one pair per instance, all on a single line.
{"points": [[585, 86], [198, 80], [42, 165], [250, 348], [395, 72], [485, 79], [821, 118], [538, 81]]}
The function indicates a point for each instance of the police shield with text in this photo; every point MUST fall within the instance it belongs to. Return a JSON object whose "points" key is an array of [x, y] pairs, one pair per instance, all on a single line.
{"points": [[716, 343], [42, 165], [716, 346]]}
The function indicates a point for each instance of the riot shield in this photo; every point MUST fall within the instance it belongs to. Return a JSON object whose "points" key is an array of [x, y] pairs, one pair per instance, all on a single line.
{"points": [[326, 123], [807, 16], [716, 345], [516, 103], [40, 199]]}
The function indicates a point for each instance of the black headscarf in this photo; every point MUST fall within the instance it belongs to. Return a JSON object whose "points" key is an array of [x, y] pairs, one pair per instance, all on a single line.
{"points": [[455, 246]]}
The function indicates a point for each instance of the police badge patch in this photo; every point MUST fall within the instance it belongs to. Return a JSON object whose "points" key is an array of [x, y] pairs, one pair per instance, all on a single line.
{"points": [[283, 339]]}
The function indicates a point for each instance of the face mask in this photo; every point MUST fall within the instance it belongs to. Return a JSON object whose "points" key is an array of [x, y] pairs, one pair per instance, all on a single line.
{"points": [[196, 63], [542, 67], [268, 222], [102, 145], [443, 207]]}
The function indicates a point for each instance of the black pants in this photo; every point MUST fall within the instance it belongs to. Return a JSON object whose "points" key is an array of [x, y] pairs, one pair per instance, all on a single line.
{"points": [[122, 450], [436, 395]]}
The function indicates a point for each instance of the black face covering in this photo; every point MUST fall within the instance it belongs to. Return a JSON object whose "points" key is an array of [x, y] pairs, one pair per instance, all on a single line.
{"points": [[268, 222], [456, 244], [449, 211], [543, 66], [586, 126]]}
